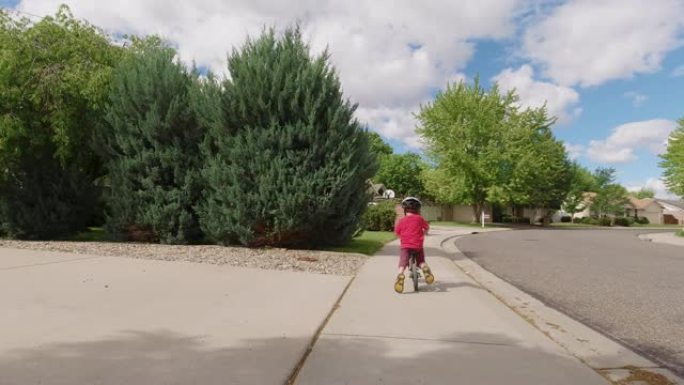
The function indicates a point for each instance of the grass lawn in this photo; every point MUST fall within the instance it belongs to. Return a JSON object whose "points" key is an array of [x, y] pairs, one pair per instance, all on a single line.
{"points": [[369, 243], [93, 234], [680, 233]]}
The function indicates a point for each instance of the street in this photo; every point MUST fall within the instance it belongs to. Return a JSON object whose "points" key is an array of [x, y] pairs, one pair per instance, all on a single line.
{"points": [[626, 288]]}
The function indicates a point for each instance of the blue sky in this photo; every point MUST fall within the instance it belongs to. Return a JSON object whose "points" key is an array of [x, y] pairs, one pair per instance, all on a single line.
{"points": [[611, 70]]}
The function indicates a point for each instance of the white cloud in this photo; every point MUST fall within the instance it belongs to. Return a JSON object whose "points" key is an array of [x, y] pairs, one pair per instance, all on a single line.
{"points": [[657, 185], [574, 150], [621, 145], [395, 123], [589, 42], [535, 93], [390, 54], [637, 99]]}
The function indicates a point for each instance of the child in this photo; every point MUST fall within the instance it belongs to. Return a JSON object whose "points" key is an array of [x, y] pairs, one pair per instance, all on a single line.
{"points": [[411, 230]]}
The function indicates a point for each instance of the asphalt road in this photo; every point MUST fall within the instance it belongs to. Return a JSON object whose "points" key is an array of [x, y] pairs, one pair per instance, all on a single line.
{"points": [[626, 288]]}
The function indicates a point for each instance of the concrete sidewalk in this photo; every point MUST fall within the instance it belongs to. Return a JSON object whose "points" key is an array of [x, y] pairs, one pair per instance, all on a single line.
{"points": [[453, 332], [70, 319], [667, 238]]}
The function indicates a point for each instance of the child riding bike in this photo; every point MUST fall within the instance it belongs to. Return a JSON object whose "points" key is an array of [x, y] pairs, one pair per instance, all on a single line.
{"points": [[411, 230]]}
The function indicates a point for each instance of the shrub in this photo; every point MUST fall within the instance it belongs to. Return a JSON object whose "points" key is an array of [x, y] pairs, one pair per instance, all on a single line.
{"points": [[379, 217], [590, 221], [623, 221], [152, 144], [605, 221], [643, 221], [288, 166], [566, 219]]}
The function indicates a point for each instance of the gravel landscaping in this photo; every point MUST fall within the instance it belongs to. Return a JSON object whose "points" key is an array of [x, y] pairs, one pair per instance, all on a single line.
{"points": [[323, 262]]}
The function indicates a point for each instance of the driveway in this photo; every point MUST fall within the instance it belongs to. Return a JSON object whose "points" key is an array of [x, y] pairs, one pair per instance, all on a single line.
{"points": [[74, 319], [627, 288]]}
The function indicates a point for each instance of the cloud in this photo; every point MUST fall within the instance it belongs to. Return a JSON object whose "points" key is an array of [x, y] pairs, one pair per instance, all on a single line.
{"points": [[637, 99], [589, 42], [621, 145], [395, 123], [559, 100], [390, 54], [574, 150], [655, 184]]}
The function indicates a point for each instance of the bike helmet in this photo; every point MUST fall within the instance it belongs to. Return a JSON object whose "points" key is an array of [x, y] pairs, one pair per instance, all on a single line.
{"points": [[411, 204]]}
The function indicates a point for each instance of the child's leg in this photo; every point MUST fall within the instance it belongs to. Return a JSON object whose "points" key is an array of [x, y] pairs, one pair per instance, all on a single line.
{"points": [[429, 278], [403, 263], [403, 260]]}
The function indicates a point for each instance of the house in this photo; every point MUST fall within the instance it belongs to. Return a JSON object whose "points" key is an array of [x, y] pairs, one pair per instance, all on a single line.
{"points": [[451, 213], [649, 208], [588, 198], [376, 191], [673, 211]]}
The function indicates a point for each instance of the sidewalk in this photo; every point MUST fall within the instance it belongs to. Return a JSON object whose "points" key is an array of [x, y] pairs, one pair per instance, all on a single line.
{"points": [[453, 332], [667, 238], [72, 319]]}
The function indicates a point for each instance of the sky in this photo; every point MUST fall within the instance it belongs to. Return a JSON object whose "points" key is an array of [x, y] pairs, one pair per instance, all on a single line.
{"points": [[611, 71]]}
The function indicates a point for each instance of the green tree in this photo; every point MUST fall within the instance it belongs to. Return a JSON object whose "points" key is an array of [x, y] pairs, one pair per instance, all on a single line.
{"points": [[673, 161], [290, 163], [401, 173], [152, 142], [537, 169], [644, 192], [464, 128], [378, 146], [54, 76], [610, 197], [581, 182]]}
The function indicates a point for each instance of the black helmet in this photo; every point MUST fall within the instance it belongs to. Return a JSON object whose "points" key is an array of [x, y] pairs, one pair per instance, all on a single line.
{"points": [[411, 204]]}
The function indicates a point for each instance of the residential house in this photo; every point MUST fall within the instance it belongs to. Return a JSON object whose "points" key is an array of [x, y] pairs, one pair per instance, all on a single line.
{"points": [[648, 207], [673, 211]]}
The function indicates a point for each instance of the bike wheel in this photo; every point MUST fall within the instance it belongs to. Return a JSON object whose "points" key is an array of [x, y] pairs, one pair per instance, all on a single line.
{"points": [[414, 272]]}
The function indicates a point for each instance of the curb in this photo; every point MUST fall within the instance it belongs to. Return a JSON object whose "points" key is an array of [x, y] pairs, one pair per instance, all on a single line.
{"points": [[613, 361]]}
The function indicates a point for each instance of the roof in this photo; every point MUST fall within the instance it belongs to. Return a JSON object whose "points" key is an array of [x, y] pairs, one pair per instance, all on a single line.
{"points": [[672, 202], [642, 204]]}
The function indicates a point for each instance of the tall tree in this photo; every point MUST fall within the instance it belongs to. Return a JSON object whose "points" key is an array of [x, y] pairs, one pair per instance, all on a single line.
{"points": [[581, 183], [289, 165], [537, 168], [463, 128], [644, 192], [54, 75], [378, 146], [611, 197], [401, 173], [152, 140], [673, 161]]}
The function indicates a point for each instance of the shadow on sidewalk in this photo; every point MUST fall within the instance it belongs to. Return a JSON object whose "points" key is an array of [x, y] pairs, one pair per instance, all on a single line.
{"points": [[155, 358]]}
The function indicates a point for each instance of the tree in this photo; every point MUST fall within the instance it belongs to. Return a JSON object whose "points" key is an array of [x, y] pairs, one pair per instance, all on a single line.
{"points": [[644, 192], [54, 75], [289, 165], [401, 173], [378, 146], [463, 128], [488, 150], [538, 171], [152, 142], [581, 182], [673, 161], [610, 197]]}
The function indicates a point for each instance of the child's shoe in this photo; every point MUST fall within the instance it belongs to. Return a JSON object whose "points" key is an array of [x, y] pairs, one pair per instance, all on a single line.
{"points": [[399, 284], [429, 278]]}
